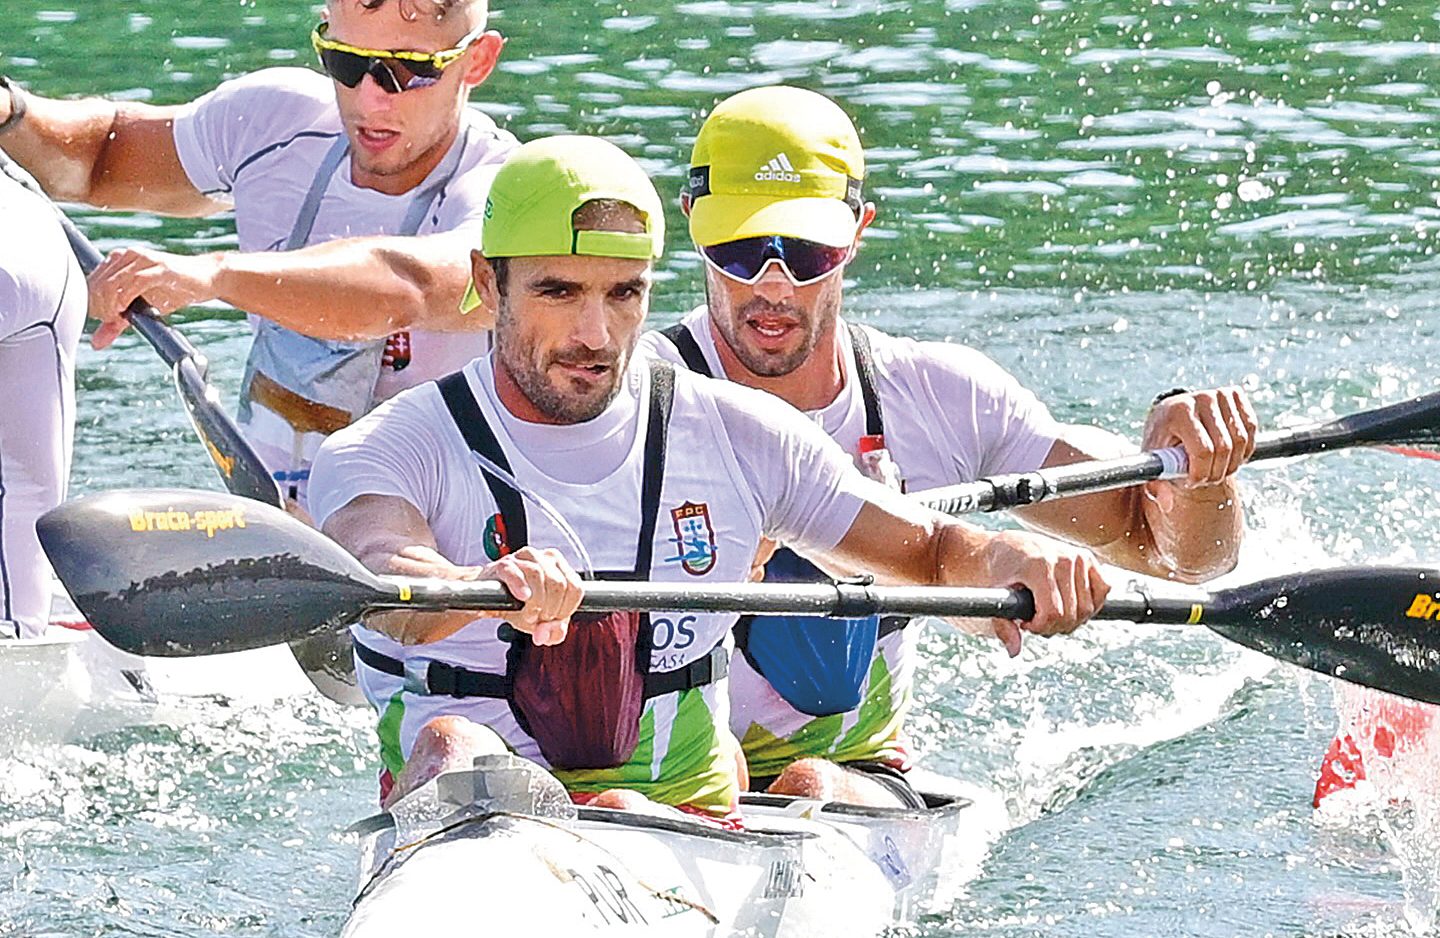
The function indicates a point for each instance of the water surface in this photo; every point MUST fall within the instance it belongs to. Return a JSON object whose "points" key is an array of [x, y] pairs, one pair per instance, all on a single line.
{"points": [[1110, 198]]}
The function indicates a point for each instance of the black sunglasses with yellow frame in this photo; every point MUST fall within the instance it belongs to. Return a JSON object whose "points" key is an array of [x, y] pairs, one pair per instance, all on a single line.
{"points": [[393, 70]]}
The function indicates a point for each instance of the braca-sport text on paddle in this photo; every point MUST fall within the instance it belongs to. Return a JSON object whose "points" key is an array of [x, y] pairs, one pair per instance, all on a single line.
{"points": [[179, 572]]}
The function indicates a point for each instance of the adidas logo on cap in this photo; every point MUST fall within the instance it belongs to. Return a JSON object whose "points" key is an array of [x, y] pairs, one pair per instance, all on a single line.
{"points": [[779, 170]]}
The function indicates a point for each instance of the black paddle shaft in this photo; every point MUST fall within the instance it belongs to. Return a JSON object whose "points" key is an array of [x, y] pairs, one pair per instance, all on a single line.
{"points": [[177, 572], [240, 468]]}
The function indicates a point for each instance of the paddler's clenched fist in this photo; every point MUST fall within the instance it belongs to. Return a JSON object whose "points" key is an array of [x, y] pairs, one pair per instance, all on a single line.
{"points": [[548, 586], [166, 281], [541, 579], [1216, 429], [1065, 580]]}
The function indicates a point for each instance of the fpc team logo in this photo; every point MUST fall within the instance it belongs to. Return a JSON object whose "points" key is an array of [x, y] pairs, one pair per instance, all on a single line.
{"points": [[694, 538]]}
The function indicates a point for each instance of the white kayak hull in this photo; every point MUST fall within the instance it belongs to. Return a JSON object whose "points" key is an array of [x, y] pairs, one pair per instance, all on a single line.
{"points": [[68, 682], [800, 868], [65, 683]]}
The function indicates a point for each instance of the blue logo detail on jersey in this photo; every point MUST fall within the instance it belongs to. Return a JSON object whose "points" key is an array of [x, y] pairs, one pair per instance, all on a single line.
{"points": [[694, 538]]}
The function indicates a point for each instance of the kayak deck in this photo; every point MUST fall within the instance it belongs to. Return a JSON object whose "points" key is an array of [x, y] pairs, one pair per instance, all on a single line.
{"points": [[800, 867]]}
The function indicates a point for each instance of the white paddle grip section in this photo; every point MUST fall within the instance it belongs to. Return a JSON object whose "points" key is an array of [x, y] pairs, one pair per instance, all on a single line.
{"points": [[1174, 462]]}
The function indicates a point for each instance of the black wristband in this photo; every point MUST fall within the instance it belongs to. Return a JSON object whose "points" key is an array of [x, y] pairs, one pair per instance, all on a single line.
{"points": [[17, 103], [1173, 392]]}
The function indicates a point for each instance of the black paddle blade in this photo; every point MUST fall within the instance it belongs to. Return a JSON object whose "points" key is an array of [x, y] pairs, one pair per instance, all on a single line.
{"points": [[1376, 626], [1416, 422], [240, 469], [175, 572]]}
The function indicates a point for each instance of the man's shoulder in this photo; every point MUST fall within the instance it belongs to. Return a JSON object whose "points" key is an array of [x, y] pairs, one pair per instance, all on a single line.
{"points": [[660, 342], [417, 413], [904, 362], [653, 344], [734, 402], [37, 267], [284, 94], [493, 143], [902, 349]]}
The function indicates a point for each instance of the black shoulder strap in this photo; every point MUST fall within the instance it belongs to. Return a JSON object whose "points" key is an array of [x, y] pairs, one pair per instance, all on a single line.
{"points": [[657, 437], [865, 367], [479, 437], [689, 349]]}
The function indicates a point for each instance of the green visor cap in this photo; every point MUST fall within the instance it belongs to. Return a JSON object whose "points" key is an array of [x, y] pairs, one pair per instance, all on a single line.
{"points": [[533, 200]]}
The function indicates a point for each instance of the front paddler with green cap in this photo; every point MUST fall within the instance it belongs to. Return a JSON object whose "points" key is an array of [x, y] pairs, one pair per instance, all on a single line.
{"points": [[561, 412]]}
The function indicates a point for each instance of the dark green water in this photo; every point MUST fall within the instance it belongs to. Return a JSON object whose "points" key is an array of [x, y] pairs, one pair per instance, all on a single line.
{"points": [[1111, 198]]}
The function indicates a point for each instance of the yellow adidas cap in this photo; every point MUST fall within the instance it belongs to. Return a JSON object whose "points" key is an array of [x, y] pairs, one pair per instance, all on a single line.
{"points": [[776, 161]]}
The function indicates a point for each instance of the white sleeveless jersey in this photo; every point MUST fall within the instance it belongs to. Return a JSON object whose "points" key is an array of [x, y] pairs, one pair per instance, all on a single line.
{"points": [[951, 415], [736, 469]]}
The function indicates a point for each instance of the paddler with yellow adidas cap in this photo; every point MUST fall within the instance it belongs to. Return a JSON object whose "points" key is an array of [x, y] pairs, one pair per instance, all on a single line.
{"points": [[562, 451], [776, 206]]}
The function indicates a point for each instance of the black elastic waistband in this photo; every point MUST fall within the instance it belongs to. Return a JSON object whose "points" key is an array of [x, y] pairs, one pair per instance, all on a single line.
{"points": [[448, 680], [437, 677], [698, 673]]}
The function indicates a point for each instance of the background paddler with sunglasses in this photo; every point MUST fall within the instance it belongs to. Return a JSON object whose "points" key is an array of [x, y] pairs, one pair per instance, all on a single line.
{"points": [[328, 180], [776, 209]]}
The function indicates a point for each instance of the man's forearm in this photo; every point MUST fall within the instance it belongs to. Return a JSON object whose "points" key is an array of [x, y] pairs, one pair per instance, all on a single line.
{"points": [[1198, 538], [356, 288], [415, 561], [908, 544], [958, 553]]}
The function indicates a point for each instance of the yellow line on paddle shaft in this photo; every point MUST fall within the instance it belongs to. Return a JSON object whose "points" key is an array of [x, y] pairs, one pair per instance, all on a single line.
{"points": [[404, 592], [1196, 611]]}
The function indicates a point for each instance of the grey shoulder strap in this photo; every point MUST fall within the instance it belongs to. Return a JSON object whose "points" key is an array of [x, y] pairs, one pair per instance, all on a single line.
{"points": [[305, 220], [430, 191]]}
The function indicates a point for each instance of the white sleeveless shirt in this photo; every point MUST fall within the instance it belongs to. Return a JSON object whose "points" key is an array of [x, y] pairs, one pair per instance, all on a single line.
{"points": [[739, 466]]}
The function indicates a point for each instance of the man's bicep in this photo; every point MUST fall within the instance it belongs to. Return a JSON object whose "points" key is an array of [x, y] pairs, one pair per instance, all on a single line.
{"points": [[139, 167]]}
